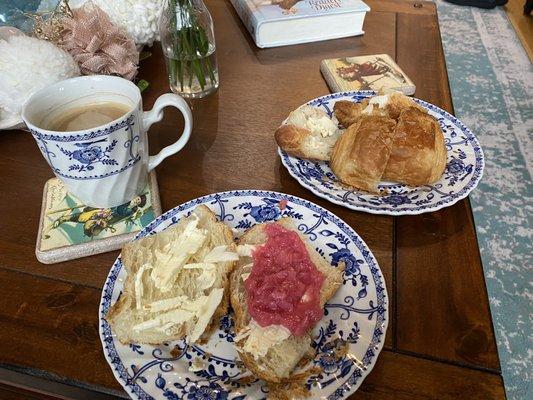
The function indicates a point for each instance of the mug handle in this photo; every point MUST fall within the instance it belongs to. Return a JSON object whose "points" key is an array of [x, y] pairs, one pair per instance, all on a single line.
{"points": [[156, 115]]}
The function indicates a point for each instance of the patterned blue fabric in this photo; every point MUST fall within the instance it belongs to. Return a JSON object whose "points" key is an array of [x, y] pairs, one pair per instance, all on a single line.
{"points": [[491, 79]]}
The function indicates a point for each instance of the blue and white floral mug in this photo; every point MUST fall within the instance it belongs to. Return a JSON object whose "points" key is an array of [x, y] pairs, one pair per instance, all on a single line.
{"points": [[107, 165]]}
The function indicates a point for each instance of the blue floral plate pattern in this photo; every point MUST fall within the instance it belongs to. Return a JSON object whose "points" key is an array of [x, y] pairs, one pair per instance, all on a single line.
{"points": [[357, 314], [463, 172]]}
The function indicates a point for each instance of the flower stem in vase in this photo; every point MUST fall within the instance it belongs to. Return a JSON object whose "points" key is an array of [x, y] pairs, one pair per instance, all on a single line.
{"points": [[187, 39]]}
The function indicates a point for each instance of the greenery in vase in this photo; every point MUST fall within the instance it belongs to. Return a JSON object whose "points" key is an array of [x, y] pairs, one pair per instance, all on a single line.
{"points": [[191, 47]]}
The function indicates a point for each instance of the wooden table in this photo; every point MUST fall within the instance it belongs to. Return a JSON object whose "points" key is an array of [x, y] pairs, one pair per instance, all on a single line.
{"points": [[440, 342]]}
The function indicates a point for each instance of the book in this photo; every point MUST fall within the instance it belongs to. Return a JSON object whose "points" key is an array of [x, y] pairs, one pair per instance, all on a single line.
{"points": [[68, 229], [377, 72], [284, 22]]}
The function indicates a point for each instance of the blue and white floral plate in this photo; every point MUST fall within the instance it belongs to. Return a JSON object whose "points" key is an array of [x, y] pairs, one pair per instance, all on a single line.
{"points": [[357, 313], [463, 172]]}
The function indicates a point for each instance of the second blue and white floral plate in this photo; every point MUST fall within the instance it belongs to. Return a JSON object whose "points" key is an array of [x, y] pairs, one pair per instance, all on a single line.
{"points": [[463, 172], [357, 314]]}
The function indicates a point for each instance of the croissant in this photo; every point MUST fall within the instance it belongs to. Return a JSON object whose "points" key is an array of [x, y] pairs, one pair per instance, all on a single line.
{"points": [[418, 154], [376, 148], [360, 156], [388, 105]]}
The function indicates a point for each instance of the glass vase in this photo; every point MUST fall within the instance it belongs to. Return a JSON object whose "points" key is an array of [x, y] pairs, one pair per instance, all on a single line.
{"points": [[188, 43]]}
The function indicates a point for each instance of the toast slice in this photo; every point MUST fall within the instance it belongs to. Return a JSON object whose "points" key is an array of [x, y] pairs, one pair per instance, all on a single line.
{"points": [[177, 283], [272, 353], [309, 133]]}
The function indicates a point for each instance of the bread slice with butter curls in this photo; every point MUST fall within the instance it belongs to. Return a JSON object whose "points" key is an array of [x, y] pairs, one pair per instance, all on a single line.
{"points": [[308, 133], [272, 353], [177, 283]]}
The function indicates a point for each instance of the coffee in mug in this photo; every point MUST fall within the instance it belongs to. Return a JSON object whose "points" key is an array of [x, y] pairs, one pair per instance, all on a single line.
{"points": [[84, 116]]}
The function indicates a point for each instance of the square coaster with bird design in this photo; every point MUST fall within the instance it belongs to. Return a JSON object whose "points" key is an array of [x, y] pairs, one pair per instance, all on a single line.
{"points": [[68, 229]]}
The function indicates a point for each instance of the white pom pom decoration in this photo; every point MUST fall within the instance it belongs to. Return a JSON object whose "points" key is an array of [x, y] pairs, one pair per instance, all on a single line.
{"points": [[26, 65], [140, 18]]}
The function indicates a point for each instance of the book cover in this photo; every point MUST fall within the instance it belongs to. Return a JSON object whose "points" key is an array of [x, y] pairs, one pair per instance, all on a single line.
{"points": [[374, 72], [69, 229], [257, 13], [266, 10]]}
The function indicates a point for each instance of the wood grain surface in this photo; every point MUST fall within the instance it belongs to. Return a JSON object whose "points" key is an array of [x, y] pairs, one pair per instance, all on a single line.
{"points": [[440, 328]]}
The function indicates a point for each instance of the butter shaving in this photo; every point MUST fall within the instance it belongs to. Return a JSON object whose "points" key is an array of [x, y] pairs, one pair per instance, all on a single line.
{"points": [[204, 314], [175, 317], [260, 339], [166, 304], [220, 254], [182, 248], [139, 289], [207, 277], [245, 250]]}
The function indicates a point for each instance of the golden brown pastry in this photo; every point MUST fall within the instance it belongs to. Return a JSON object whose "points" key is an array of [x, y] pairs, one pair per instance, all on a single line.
{"points": [[361, 154], [397, 102], [388, 105], [418, 154], [347, 112]]}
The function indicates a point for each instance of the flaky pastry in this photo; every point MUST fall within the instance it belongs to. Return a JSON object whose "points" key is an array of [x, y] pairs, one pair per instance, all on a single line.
{"points": [[418, 154], [361, 155]]}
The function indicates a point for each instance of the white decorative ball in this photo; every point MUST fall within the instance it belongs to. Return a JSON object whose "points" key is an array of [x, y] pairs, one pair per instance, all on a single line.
{"points": [[26, 65], [140, 18]]}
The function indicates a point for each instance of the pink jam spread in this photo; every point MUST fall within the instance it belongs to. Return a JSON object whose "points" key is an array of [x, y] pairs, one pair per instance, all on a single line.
{"points": [[284, 285]]}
